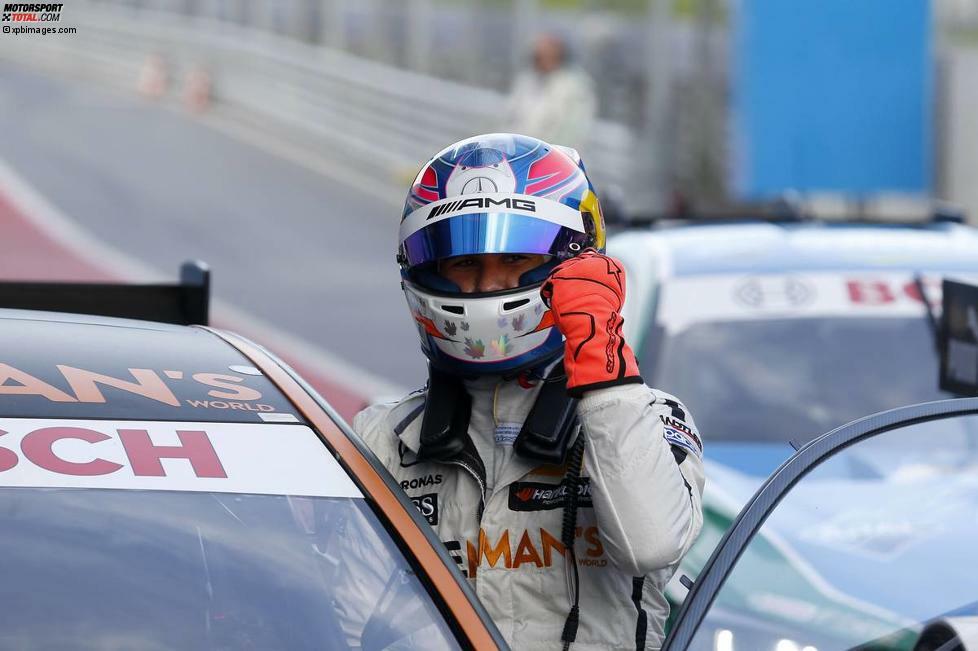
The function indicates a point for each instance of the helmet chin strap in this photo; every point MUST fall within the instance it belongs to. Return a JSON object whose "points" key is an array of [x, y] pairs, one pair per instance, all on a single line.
{"points": [[538, 370]]}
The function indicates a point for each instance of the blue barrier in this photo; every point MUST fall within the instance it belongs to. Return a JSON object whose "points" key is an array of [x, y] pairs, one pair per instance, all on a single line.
{"points": [[832, 96]]}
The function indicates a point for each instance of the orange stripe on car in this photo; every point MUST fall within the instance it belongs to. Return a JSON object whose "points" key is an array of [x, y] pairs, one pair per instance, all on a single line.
{"points": [[371, 482]]}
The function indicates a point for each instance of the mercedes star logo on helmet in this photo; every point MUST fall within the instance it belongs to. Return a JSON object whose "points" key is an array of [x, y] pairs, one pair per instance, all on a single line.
{"points": [[479, 184]]}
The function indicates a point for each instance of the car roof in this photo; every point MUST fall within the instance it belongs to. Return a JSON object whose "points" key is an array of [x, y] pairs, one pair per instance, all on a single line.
{"points": [[764, 247], [58, 365]]}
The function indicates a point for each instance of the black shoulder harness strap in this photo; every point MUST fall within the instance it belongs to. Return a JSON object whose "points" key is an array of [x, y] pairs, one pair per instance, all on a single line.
{"points": [[550, 426], [445, 424], [546, 434]]}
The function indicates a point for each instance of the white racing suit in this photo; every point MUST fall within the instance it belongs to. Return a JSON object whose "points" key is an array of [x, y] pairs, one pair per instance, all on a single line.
{"points": [[500, 514]]}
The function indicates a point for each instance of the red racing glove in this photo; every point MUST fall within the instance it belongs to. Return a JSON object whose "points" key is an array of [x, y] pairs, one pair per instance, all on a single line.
{"points": [[585, 295]]}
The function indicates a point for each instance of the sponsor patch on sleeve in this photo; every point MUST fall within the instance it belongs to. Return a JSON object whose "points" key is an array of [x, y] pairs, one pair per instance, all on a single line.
{"points": [[678, 433]]}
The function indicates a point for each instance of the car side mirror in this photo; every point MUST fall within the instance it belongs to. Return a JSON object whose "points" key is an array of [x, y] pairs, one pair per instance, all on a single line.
{"points": [[958, 339]]}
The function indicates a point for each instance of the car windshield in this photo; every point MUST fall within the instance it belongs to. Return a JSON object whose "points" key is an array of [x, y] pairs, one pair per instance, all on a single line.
{"points": [[124, 569], [795, 378], [176, 535]]}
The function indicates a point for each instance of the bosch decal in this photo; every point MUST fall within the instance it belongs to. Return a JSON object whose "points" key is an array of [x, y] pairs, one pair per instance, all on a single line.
{"points": [[537, 496], [261, 458], [142, 455], [725, 297]]}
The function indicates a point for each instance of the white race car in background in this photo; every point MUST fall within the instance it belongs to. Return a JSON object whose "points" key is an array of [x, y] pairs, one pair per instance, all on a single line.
{"points": [[774, 333]]}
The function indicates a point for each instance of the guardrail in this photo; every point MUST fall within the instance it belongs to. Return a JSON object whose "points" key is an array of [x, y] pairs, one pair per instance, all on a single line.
{"points": [[348, 102]]}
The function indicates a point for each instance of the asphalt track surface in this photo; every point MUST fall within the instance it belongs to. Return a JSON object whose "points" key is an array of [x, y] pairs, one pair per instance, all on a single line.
{"points": [[306, 253]]}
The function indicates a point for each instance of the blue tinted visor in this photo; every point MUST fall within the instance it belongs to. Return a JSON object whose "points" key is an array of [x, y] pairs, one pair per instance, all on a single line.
{"points": [[477, 233]]}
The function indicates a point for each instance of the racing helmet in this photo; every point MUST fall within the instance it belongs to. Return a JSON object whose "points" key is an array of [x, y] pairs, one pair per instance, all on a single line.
{"points": [[493, 193]]}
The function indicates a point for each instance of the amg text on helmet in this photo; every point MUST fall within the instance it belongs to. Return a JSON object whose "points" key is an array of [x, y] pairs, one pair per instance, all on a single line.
{"points": [[483, 202]]}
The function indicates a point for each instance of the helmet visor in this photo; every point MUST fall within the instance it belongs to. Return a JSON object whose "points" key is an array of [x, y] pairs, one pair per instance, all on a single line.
{"points": [[477, 233]]}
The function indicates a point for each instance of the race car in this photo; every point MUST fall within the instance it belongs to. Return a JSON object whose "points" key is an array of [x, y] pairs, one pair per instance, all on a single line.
{"points": [[167, 485], [774, 332]]}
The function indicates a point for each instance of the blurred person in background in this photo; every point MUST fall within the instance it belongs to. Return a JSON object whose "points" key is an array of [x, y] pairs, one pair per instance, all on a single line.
{"points": [[565, 488], [554, 100]]}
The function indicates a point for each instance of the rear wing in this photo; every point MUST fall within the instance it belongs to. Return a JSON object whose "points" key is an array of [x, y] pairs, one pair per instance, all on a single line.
{"points": [[184, 303]]}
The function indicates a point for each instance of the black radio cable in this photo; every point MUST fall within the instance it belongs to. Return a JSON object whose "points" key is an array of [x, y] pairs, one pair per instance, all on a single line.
{"points": [[569, 525]]}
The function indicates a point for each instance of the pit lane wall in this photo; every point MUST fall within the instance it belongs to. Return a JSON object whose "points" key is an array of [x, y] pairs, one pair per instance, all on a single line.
{"points": [[324, 97]]}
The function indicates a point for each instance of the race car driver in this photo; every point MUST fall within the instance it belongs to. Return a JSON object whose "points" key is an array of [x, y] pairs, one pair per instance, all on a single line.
{"points": [[564, 487]]}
